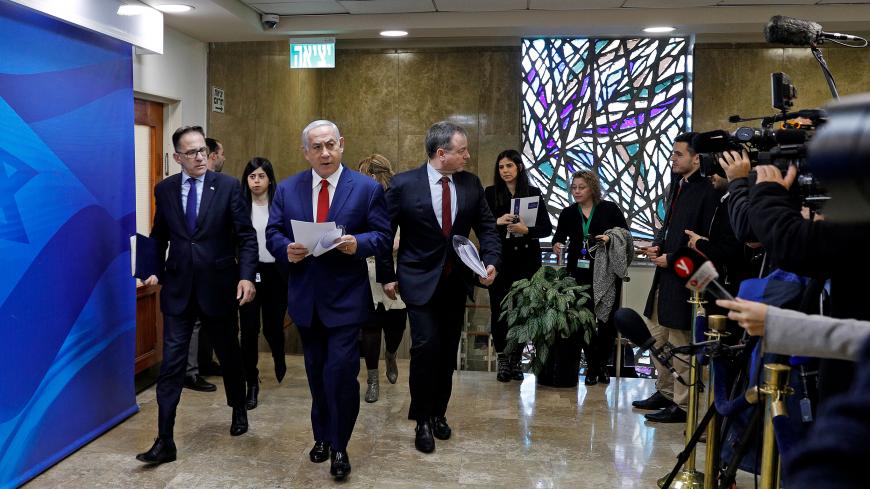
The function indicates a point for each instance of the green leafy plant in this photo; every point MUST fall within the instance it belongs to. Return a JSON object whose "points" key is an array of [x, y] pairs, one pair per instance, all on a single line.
{"points": [[547, 306]]}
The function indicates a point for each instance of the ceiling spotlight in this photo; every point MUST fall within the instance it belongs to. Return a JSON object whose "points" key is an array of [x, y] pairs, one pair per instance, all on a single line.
{"points": [[659, 29], [174, 8], [131, 10], [394, 33]]}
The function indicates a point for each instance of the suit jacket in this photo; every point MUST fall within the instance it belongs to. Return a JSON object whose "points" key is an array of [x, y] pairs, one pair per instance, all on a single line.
{"points": [[423, 249], [210, 262], [335, 285], [693, 210]]}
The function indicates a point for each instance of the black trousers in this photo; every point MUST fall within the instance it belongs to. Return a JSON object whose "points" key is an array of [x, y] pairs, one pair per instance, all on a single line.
{"points": [[600, 349], [392, 322], [332, 365], [435, 330], [271, 303], [223, 331]]}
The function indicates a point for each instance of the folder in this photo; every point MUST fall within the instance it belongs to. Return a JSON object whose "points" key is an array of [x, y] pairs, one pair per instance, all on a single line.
{"points": [[143, 251]]}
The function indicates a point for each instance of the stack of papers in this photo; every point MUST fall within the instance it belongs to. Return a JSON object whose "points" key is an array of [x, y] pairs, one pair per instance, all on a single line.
{"points": [[467, 252], [318, 237]]}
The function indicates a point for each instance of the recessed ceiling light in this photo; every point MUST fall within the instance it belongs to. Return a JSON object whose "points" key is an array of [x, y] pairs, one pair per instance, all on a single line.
{"points": [[174, 8], [394, 33], [130, 10], [659, 29]]}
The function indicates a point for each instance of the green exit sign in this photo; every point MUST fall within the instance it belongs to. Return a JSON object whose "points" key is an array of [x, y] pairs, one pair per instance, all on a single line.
{"points": [[312, 52]]}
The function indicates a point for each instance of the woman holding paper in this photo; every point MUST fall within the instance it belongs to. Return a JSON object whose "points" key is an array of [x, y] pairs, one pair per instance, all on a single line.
{"points": [[584, 225], [509, 200], [258, 188], [390, 315]]}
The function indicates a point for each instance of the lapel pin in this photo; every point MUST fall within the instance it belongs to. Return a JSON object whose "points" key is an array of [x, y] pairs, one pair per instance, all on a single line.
{"points": [[211, 188]]}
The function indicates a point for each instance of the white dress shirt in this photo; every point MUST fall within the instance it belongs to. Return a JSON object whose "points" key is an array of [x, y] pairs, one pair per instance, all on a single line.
{"points": [[315, 188], [436, 191]]}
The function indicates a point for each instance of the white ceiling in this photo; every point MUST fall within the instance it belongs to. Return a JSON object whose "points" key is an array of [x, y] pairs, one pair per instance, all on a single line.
{"points": [[500, 21]]}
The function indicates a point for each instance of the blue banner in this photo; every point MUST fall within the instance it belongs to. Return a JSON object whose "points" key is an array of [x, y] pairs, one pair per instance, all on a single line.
{"points": [[67, 209]]}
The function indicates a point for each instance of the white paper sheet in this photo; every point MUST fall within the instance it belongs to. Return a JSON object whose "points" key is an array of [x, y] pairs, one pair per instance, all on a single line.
{"points": [[467, 252], [310, 234], [328, 241]]}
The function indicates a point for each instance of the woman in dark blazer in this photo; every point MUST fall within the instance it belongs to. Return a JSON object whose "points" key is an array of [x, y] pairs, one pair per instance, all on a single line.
{"points": [[582, 225], [521, 251]]}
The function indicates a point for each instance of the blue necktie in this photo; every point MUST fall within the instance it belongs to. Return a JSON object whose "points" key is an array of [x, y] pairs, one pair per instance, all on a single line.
{"points": [[190, 213]]}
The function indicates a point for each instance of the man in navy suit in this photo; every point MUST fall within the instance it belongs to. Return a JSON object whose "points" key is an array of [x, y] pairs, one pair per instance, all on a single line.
{"points": [[209, 272], [431, 204], [329, 297]]}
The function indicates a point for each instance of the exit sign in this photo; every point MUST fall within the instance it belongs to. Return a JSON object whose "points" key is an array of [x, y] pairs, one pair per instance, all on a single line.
{"points": [[312, 52]]}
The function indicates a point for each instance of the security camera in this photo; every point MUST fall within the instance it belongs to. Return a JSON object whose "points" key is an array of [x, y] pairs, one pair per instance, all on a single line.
{"points": [[270, 21]]}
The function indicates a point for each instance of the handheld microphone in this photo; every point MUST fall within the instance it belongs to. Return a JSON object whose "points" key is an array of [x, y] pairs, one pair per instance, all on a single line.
{"points": [[633, 327], [787, 30], [698, 273]]}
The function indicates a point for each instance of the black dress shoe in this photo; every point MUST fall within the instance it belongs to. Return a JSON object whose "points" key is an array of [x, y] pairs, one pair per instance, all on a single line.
{"points": [[251, 398], [423, 440], [655, 401], [591, 379], [670, 414], [197, 383], [320, 452], [280, 368], [339, 465], [160, 452], [239, 425], [603, 378], [440, 428]]}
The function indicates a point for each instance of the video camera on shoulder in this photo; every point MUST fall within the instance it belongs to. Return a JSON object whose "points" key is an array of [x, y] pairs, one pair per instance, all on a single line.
{"points": [[781, 145]]}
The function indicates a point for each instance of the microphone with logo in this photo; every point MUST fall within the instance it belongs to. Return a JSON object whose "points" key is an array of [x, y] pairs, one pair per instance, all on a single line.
{"points": [[633, 327], [697, 273]]}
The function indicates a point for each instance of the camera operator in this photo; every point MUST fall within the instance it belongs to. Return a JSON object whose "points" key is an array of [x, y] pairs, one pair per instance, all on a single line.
{"points": [[720, 244], [690, 207], [795, 333], [819, 249]]}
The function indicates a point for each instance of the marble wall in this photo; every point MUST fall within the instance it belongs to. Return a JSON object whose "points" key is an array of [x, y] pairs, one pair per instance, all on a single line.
{"points": [[266, 104], [735, 79], [383, 101]]}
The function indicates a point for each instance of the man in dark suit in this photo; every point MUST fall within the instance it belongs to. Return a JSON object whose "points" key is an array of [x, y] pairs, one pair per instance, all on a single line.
{"points": [[431, 204], [329, 297], [690, 207], [209, 272]]}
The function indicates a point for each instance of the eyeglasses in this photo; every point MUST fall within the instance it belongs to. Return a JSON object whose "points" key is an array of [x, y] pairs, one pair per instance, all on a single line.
{"points": [[192, 153]]}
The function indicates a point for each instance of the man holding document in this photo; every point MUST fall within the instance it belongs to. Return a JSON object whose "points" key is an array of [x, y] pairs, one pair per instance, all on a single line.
{"points": [[324, 222], [432, 204]]}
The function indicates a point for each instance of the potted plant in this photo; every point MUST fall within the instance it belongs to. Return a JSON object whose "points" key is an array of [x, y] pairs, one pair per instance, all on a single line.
{"points": [[549, 310]]}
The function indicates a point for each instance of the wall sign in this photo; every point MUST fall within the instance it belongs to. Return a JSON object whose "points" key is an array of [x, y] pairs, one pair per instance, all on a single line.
{"points": [[312, 52], [217, 99]]}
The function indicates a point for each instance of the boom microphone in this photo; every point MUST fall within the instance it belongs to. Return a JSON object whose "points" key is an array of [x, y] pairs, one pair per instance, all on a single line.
{"points": [[697, 273], [787, 30], [633, 327]]}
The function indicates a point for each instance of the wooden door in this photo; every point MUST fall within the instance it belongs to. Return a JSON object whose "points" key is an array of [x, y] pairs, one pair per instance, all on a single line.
{"points": [[149, 170]]}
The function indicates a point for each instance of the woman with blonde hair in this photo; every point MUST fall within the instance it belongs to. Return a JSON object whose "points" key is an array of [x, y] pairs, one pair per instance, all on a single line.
{"points": [[389, 315], [587, 225]]}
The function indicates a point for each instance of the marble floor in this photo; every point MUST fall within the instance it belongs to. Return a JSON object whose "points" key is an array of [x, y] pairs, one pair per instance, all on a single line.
{"points": [[504, 435]]}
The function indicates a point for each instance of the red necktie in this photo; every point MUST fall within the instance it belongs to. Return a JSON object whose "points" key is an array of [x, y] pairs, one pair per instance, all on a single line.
{"points": [[446, 211], [323, 201]]}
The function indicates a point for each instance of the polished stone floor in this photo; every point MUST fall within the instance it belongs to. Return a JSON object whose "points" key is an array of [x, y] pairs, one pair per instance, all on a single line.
{"points": [[511, 435]]}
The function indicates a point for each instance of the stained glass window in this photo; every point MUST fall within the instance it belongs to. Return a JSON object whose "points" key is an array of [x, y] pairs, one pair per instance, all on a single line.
{"points": [[610, 105]]}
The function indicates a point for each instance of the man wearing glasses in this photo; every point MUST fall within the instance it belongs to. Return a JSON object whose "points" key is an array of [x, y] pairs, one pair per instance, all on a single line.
{"points": [[201, 217]]}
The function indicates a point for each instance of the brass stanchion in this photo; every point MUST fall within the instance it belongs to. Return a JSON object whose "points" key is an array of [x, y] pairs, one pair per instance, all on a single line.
{"points": [[689, 478], [775, 389], [716, 323]]}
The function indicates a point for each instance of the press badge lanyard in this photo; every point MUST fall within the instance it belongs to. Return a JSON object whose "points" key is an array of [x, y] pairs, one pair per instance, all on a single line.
{"points": [[584, 262]]}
